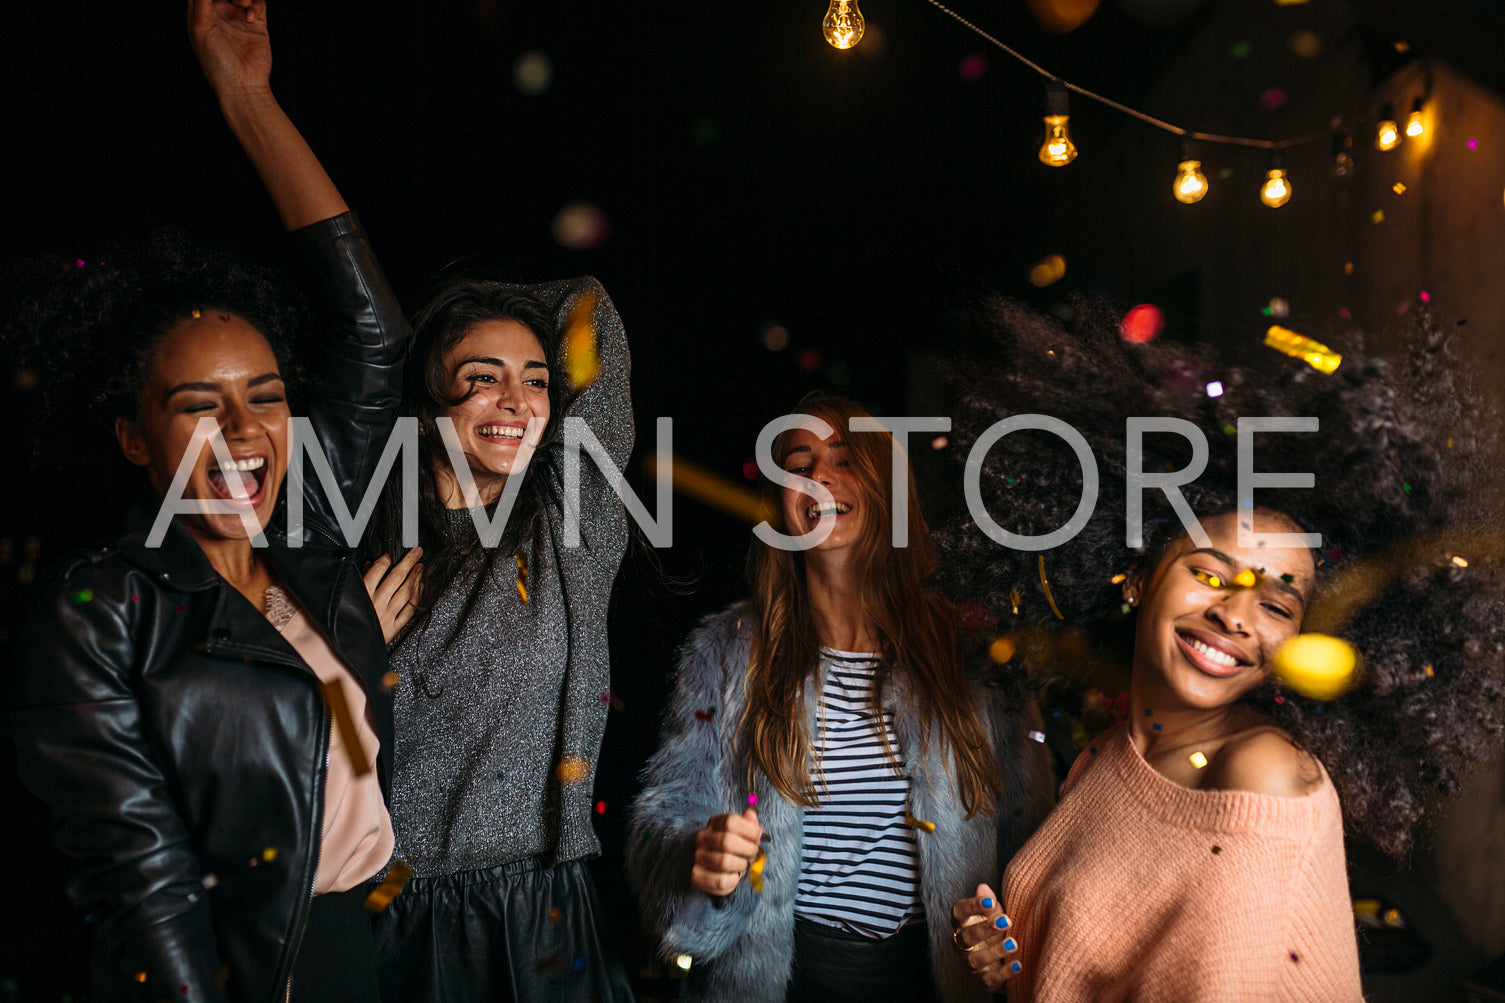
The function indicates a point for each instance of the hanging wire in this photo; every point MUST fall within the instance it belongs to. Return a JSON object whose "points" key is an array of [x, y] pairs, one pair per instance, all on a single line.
{"points": [[1204, 137]]}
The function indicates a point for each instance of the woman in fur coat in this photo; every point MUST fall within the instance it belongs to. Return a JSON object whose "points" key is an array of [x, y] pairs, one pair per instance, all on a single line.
{"points": [[830, 781]]}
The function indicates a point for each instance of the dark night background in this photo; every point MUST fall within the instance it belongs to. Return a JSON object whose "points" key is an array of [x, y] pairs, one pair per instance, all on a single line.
{"points": [[751, 175]]}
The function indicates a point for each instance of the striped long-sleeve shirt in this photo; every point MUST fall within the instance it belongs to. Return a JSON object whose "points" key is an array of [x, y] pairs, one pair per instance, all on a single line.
{"points": [[859, 869]]}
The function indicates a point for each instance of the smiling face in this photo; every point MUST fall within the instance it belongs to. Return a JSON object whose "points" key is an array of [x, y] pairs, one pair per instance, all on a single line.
{"points": [[499, 369], [1211, 618], [824, 461], [215, 366]]}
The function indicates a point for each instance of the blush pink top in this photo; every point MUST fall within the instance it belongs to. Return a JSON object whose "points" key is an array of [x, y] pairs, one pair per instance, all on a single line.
{"points": [[357, 836], [1136, 888]]}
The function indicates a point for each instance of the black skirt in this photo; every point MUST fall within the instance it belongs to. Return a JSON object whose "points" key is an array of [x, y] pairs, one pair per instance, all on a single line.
{"points": [[520, 931], [336, 961], [836, 966]]}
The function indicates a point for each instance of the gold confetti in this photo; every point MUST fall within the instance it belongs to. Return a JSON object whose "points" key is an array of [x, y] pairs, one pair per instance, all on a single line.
{"points": [[350, 736], [1431, 672], [1348, 268], [1313, 353], [1045, 584], [572, 770], [755, 872], [1120, 578], [1245, 579], [1378, 216], [1316, 665], [140, 976], [389, 680], [269, 854], [1002, 649], [1198, 760], [1398, 188], [196, 315], [1460, 561], [714, 490], [555, 915], [581, 360], [918, 823], [522, 575], [1014, 600], [383, 894]]}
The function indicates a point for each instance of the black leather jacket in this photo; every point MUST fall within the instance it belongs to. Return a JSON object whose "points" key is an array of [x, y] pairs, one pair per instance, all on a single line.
{"points": [[180, 741]]}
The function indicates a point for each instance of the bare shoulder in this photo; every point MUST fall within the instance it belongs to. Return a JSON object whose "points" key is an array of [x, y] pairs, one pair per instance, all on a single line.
{"points": [[1264, 760]]}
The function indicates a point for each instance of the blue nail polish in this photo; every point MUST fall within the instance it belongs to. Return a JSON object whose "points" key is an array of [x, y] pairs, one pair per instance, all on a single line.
{"points": [[1009, 945], [987, 903], [1002, 922], [1015, 967]]}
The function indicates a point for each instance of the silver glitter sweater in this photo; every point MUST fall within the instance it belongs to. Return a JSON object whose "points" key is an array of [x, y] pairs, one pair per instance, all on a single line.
{"points": [[524, 686]]}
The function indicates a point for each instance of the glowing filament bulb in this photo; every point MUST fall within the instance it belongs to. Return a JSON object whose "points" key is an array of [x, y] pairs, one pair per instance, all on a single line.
{"points": [[843, 25], [1277, 190], [1415, 125], [1058, 150], [1191, 183], [1387, 136]]}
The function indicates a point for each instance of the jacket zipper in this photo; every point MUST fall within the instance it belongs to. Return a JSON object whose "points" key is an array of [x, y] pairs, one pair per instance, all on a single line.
{"points": [[287, 994]]}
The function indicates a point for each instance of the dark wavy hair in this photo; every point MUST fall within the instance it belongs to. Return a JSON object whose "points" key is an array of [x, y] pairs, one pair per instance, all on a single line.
{"points": [[449, 311], [87, 330], [1402, 456]]}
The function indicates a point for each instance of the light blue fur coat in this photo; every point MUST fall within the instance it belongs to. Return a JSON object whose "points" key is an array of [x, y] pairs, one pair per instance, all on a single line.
{"points": [[743, 945]]}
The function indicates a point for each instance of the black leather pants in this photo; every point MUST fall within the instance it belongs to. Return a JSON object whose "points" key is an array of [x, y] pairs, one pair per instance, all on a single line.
{"points": [[834, 966]]}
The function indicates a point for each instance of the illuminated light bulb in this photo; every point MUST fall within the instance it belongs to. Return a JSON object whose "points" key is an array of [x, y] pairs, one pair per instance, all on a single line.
{"points": [[1191, 183], [1415, 126], [843, 25], [1058, 150], [1387, 135], [1277, 190]]}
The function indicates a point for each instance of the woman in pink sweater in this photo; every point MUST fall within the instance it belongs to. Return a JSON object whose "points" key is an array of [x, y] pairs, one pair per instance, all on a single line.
{"points": [[1197, 850]]}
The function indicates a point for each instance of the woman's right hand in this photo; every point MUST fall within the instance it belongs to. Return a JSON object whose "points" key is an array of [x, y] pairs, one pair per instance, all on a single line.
{"points": [[394, 590], [724, 850], [985, 935], [230, 38]]}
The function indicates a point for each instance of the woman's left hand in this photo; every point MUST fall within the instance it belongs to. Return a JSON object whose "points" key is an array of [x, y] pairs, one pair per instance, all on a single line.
{"points": [[985, 935], [394, 590], [230, 38]]}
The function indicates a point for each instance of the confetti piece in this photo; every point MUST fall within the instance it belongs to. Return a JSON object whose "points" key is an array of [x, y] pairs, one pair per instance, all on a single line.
{"points": [[1306, 44], [1378, 216], [1277, 307], [269, 854], [383, 894], [719, 492], [209, 881], [1141, 324], [1424, 296], [1215, 388], [916, 823], [752, 801], [532, 72], [1473, 144], [705, 715], [755, 872], [775, 337], [1045, 584], [1048, 271], [389, 680], [1198, 760], [1037, 736], [1002, 649], [1398, 188], [1120, 578], [1014, 600], [1313, 353], [1316, 665], [1431, 672], [1348, 268], [1217, 849], [83, 595], [522, 575], [580, 226], [572, 770], [939, 442], [1273, 98], [973, 66], [1460, 561], [350, 736], [1246, 578], [1240, 50], [684, 961], [194, 314], [600, 807], [1157, 726], [555, 915]]}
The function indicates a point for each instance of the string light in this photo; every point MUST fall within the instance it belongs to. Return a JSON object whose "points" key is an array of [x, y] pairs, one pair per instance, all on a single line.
{"points": [[1387, 135], [1342, 159], [1415, 126], [1058, 150], [844, 25], [1190, 184], [1277, 188]]}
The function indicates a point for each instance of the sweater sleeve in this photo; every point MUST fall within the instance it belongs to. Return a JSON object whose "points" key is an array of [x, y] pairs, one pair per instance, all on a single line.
{"points": [[683, 787]]}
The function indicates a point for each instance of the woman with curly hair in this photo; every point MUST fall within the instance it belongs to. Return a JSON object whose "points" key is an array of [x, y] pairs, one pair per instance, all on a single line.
{"points": [[202, 705], [830, 780], [1197, 851], [502, 671]]}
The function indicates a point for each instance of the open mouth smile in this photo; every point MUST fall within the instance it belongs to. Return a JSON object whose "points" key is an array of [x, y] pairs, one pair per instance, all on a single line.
{"points": [[1210, 656], [501, 433], [820, 510], [246, 474]]}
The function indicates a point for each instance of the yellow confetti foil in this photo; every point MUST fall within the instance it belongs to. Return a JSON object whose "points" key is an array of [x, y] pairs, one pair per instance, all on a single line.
{"points": [[269, 854], [383, 894], [1198, 760], [522, 575], [1002, 649], [1316, 665], [755, 872], [581, 360], [389, 680], [1120, 578], [1313, 353], [917, 823], [1044, 584], [350, 736], [1014, 600], [1245, 578], [572, 770], [714, 490]]}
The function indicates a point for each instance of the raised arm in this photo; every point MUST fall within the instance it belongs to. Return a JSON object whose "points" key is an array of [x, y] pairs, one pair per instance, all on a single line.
{"points": [[231, 40]]}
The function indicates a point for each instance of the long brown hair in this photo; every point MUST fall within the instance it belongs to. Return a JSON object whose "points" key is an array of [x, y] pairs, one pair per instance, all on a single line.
{"points": [[913, 625]]}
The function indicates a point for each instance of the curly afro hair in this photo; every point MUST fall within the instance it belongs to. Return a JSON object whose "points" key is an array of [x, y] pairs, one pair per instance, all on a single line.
{"points": [[1400, 460], [86, 330]]}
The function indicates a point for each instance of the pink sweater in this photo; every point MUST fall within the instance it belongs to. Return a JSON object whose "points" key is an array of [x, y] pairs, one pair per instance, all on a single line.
{"points": [[1136, 888]]}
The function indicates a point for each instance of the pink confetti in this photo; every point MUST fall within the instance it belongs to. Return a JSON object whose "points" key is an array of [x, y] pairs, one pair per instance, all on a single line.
{"points": [[752, 800], [1473, 144], [1272, 100], [1426, 297], [1344, 313], [973, 66]]}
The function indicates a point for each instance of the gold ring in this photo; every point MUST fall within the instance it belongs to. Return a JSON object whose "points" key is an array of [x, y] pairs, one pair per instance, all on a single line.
{"points": [[956, 942]]}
